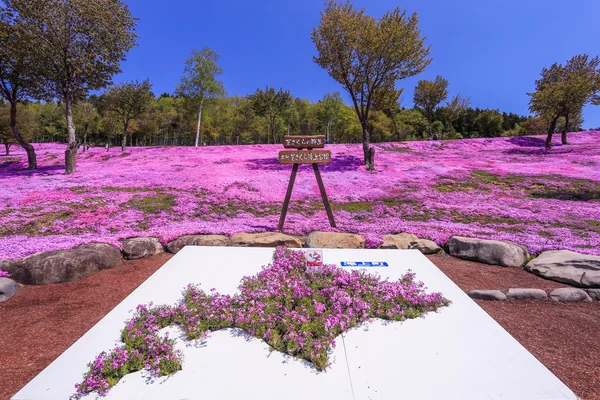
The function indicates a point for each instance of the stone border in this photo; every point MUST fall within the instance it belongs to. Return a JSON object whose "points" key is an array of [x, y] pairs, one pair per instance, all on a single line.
{"points": [[566, 294], [494, 252]]}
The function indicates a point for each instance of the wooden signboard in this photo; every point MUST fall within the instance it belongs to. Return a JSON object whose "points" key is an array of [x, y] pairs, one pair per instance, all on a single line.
{"points": [[305, 157], [304, 142], [297, 157]]}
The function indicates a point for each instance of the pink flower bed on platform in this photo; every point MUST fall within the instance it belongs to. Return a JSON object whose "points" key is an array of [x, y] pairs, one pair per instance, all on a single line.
{"points": [[504, 188]]}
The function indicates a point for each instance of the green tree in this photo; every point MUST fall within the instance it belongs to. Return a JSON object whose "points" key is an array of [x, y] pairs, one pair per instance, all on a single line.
{"points": [[85, 118], [128, 100], [271, 105], [454, 109], [489, 123], [368, 56], [199, 82], [17, 74], [428, 96], [411, 124], [329, 110], [582, 83], [81, 44], [547, 100]]}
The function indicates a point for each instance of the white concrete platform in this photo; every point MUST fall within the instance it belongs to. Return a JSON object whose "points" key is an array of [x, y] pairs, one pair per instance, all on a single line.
{"points": [[457, 353]]}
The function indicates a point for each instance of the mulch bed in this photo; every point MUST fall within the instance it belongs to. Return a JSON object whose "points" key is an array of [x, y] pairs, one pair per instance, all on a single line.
{"points": [[40, 322], [50, 318], [469, 275]]}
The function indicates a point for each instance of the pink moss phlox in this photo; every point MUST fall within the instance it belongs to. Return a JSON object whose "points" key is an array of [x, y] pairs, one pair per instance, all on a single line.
{"points": [[295, 310]]}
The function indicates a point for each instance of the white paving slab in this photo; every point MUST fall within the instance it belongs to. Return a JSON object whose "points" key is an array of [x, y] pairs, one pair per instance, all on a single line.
{"points": [[457, 353]]}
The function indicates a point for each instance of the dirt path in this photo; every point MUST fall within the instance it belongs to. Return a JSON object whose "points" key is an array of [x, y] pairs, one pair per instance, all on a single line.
{"points": [[41, 322]]}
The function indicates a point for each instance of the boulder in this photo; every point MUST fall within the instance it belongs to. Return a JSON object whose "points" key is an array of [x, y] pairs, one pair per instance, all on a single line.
{"points": [[63, 265], [526, 294], [398, 241], [196, 240], [8, 288], [594, 293], [569, 294], [266, 239], [335, 240], [565, 266], [134, 248], [494, 252], [426, 246], [487, 295]]}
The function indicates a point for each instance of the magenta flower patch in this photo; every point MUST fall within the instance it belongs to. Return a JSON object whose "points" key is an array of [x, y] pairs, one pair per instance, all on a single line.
{"points": [[295, 310]]}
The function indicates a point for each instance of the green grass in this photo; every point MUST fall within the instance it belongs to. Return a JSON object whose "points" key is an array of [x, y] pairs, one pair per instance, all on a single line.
{"points": [[151, 204]]}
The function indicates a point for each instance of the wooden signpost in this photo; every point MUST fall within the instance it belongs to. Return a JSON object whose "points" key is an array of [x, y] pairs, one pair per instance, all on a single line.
{"points": [[309, 156]]}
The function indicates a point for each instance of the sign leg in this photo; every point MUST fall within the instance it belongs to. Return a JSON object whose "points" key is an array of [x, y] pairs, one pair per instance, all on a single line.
{"points": [[288, 195], [324, 195]]}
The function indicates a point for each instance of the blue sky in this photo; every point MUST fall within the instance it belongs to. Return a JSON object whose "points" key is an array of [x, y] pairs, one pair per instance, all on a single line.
{"points": [[490, 50]]}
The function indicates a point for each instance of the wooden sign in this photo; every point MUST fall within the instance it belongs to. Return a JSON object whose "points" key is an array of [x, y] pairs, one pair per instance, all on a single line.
{"points": [[304, 157], [303, 142], [310, 156]]}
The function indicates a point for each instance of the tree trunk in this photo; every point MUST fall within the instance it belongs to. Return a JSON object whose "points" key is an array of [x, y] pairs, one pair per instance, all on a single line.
{"points": [[7, 147], [85, 140], [565, 130], [124, 138], [71, 151], [365, 143], [551, 129], [396, 127], [199, 122], [31, 157]]}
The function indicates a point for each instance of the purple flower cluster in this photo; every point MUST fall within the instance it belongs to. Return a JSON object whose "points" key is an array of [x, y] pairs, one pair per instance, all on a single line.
{"points": [[4, 274], [501, 188], [296, 310]]}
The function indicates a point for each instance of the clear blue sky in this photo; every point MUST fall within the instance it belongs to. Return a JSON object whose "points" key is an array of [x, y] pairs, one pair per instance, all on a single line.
{"points": [[490, 50]]}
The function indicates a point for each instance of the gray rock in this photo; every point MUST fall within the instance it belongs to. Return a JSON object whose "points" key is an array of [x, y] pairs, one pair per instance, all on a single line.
{"points": [[134, 248], [569, 294], [63, 265], [398, 241], [335, 240], [494, 252], [196, 240], [487, 295], [566, 266], [426, 246], [266, 239], [526, 294], [594, 293], [8, 288]]}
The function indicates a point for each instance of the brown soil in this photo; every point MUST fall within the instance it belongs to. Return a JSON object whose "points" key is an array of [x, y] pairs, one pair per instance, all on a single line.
{"points": [[50, 318], [41, 322], [469, 275]]}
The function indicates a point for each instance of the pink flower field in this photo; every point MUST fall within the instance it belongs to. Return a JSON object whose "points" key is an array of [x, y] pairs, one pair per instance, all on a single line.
{"points": [[504, 188]]}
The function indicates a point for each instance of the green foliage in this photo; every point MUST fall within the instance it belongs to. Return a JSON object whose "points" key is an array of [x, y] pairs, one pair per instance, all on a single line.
{"points": [[489, 122], [271, 105], [428, 96], [368, 56]]}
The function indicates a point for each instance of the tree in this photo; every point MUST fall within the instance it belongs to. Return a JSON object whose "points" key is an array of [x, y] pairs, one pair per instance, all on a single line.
{"points": [[390, 104], [454, 109], [81, 44], [85, 118], [27, 124], [243, 114], [428, 96], [270, 105], [411, 124], [329, 111], [489, 123], [17, 74], [199, 82], [368, 56], [547, 100], [128, 100], [582, 82]]}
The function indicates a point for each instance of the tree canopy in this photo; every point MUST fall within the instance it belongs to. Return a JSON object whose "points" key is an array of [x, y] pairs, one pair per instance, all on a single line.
{"points": [[368, 56], [428, 96], [200, 81]]}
